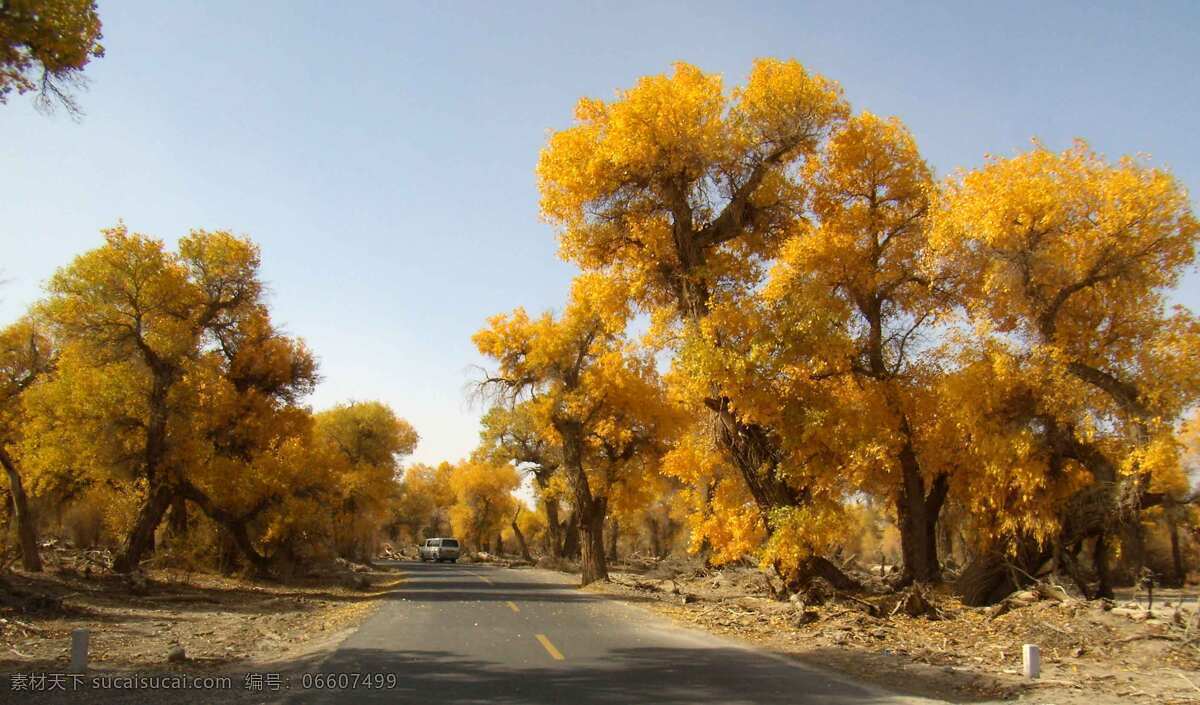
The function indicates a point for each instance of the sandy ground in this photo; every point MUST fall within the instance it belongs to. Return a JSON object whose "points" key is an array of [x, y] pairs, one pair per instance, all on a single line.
{"points": [[1091, 655], [181, 622]]}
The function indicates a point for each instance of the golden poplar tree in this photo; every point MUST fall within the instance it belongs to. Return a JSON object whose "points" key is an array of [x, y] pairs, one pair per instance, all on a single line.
{"points": [[171, 383], [577, 372], [859, 262], [1075, 367], [684, 190], [510, 433], [26, 357], [44, 46]]}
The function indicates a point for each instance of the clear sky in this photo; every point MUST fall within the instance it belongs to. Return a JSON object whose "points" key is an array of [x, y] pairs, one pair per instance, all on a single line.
{"points": [[382, 153]]}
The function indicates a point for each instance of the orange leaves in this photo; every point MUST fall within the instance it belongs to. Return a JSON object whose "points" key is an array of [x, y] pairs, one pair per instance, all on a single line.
{"points": [[561, 357], [127, 295], [367, 433], [483, 501], [45, 44], [171, 372], [811, 278], [675, 150], [592, 402], [26, 355], [1062, 262], [223, 265], [1065, 239], [782, 104]]}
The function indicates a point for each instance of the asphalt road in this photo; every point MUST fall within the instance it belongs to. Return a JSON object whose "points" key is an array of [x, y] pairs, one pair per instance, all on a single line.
{"points": [[481, 634]]}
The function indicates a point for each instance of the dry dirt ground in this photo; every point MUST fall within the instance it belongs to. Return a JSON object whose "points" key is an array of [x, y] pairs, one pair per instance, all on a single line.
{"points": [[1091, 653], [173, 621]]}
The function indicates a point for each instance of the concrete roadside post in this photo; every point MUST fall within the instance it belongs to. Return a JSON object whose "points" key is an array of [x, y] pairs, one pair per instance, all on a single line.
{"points": [[79, 650], [1032, 657]]}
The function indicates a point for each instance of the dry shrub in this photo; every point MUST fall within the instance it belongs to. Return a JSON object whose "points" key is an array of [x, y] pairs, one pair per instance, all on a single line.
{"points": [[83, 523], [101, 516], [120, 511], [197, 550]]}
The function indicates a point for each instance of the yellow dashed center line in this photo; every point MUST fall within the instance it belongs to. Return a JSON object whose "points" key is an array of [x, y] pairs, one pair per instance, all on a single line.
{"points": [[550, 648], [513, 606], [477, 575]]}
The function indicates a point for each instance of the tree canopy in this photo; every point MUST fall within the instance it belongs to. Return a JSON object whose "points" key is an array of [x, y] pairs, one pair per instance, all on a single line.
{"points": [[44, 47]]}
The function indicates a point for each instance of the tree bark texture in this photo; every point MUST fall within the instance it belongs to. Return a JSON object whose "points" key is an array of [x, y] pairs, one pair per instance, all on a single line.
{"points": [[31, 559]]}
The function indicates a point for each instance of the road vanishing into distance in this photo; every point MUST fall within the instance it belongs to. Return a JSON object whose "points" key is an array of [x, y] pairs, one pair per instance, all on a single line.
{"points": [[482, 634]]}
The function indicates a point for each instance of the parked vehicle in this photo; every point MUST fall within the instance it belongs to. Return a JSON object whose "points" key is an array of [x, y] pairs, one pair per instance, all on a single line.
{"points": [[441, 549]]}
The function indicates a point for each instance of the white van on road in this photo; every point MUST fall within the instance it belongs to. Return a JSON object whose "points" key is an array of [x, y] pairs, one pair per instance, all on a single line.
{"points": [[439, 550]]}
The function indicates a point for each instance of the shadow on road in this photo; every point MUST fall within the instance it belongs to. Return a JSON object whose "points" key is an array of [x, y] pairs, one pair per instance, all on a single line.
{"points": [[445, 583], [632, 675]]}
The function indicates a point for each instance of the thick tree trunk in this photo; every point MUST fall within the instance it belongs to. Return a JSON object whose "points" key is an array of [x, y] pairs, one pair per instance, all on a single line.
{"points": [[156, 425], [918, 516], [31, 560], [993, 574], [590, 511], [945, 542], [241, 538], [235, 525], [1100, 560], [1178, 571], [141, 537], [524, 548], [177, 520], [227, 553], [140, 540], [754, 451], [1066, 559], [570, 547], [554, 529], [592, 564], [614, 530], [817, 567], [655, 538], [1135, 540]]}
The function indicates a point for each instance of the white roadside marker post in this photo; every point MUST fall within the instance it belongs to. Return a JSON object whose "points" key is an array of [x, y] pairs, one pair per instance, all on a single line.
{"points": [[1032, 657], [79, 650]]}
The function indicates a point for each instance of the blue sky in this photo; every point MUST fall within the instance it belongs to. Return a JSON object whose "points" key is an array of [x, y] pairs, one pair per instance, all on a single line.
{"points": [[382, 153]]}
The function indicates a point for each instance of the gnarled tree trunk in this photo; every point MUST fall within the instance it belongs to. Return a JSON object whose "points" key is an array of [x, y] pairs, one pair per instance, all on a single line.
{"points": [[554, 529], [237, 526], [177, 520], [31, 560], [592, 563], [1178, 571], [570, 545], [590, 510], [656, 545], [995, 573], [1100, 560], [918, 515], [140, 539], [524, 548]]}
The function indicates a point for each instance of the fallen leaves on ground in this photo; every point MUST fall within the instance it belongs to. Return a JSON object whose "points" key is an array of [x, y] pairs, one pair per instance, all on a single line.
{"points": [[216, 620], [1090, 650]]}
